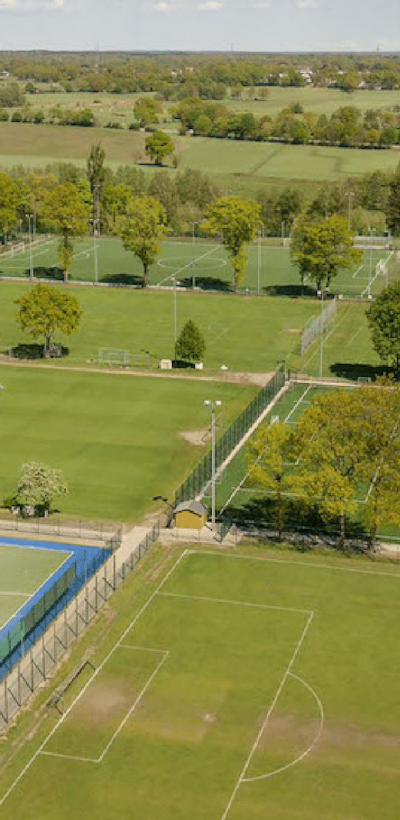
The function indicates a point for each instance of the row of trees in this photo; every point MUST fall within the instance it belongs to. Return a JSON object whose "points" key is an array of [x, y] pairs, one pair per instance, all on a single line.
{"points": [[342, 460], [208, 74]]}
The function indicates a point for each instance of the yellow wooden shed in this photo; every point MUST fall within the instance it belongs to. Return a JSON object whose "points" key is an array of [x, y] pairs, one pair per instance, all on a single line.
{"points": [[190, 515]]}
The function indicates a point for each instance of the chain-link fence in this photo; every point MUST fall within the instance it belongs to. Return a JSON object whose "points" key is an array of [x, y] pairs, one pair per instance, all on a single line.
{"points": [[41, 659], [89, 531], [201, 475]]}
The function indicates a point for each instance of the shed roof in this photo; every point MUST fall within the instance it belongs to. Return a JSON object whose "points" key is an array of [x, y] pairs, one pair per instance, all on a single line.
{"points": [[191, 506]]}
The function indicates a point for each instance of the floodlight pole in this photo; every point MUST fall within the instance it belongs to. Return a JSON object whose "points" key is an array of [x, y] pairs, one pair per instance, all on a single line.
{"points": [[212, 405], [30, 227], [175, 314], [94, 223], [371, 231], [259, 262], [321, 338]]}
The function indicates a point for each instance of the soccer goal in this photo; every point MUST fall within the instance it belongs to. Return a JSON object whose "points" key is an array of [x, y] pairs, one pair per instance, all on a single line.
{"points": [[113, 356]]}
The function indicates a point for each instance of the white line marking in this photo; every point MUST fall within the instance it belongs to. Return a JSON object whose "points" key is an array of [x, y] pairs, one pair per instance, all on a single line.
{"points": [[356, 272], [59, 722], [310, 748], [235, 603], [189, 265], [295, 563], [132, 709], [24, 594], [70, 757], [270, 710]]}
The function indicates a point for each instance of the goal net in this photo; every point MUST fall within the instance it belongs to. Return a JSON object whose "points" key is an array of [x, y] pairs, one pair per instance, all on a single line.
{"points": [[111, 355]]}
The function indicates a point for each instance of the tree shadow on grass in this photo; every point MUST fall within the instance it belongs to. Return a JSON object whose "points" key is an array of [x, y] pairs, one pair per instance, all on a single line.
{"points": [[42, 272], [34, 350], [293, 291], [261, 514], [207, 283], [121, 279], [355, 370]]}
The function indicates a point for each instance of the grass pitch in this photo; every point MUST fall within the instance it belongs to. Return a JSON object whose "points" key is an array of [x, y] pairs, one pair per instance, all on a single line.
{"points": [[22, 572], [117, 439], [242, 688]]}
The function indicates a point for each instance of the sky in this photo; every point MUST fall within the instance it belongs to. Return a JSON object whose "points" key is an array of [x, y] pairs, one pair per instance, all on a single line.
{"points": [[198, 25]]}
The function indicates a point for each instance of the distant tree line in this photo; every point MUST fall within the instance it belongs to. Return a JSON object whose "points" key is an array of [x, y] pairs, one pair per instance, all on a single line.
{"points": [[208, 76]]}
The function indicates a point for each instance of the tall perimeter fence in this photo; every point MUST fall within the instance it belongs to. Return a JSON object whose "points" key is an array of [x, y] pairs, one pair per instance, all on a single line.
{"points": [[196, 482], [42, 658]]}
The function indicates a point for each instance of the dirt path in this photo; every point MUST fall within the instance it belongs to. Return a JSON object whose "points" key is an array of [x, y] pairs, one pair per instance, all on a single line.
{"points": [[233, 377]]}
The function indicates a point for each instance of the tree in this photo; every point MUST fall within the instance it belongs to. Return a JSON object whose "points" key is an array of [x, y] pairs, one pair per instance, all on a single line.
{"points": [[393, 203], [38, 486], [190, 345], [237, 220], [46, 309], [384, 322], [267, 458], [142, 229], [67, 211], [146, 110], [95, 174], [321, 249], [9, 201], [159, 146]]}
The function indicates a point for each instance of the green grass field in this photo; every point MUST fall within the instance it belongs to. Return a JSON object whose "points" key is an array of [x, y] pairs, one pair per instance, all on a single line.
{"points": [[203, 264], [23, 571], [244, 167], [117, 439], [242, 687]]}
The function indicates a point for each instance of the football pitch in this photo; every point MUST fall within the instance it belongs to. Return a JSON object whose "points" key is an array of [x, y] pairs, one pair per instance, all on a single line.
{"points": [[203, 264], [245, 687]]}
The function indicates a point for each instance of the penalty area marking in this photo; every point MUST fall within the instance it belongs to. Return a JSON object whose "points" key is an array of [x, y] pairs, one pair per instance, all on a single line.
{"points": [[130, 711], [311, 746]]}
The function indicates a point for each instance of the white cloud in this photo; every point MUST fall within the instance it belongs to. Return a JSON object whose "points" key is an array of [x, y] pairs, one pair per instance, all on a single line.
{"points": [[30, 5], [211, 5], [306, 4]]}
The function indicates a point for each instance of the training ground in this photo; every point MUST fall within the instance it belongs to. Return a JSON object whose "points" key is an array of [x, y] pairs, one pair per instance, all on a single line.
{"points": [[233, 686]]}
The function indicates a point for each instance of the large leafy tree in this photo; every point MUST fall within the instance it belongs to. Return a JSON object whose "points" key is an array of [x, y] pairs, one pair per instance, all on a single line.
{"points": [[384, 321], [46, 309], [190, 344], [322, 248], [9, 201], [142, 229], [393, 203], [159, 146], [66, 209], [38, 486], [268, 460], [237, 220]]}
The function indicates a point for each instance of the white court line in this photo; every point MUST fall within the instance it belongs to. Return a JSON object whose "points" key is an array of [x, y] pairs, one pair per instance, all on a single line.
{"points": [[24, 594], [356, 272], [62, 718], [235, 603], [309, 749], [241, 778], [189, 265]]}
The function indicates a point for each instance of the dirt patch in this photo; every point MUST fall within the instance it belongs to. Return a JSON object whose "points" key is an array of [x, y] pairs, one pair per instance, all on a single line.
{"points": [[294, 330], [350, 735], [300, 733], [197, 438], [105, 701]]}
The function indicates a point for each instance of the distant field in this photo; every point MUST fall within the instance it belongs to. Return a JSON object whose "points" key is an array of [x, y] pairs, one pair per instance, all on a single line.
{"points": [[234, 165], [235, 687], [117, 439]]}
